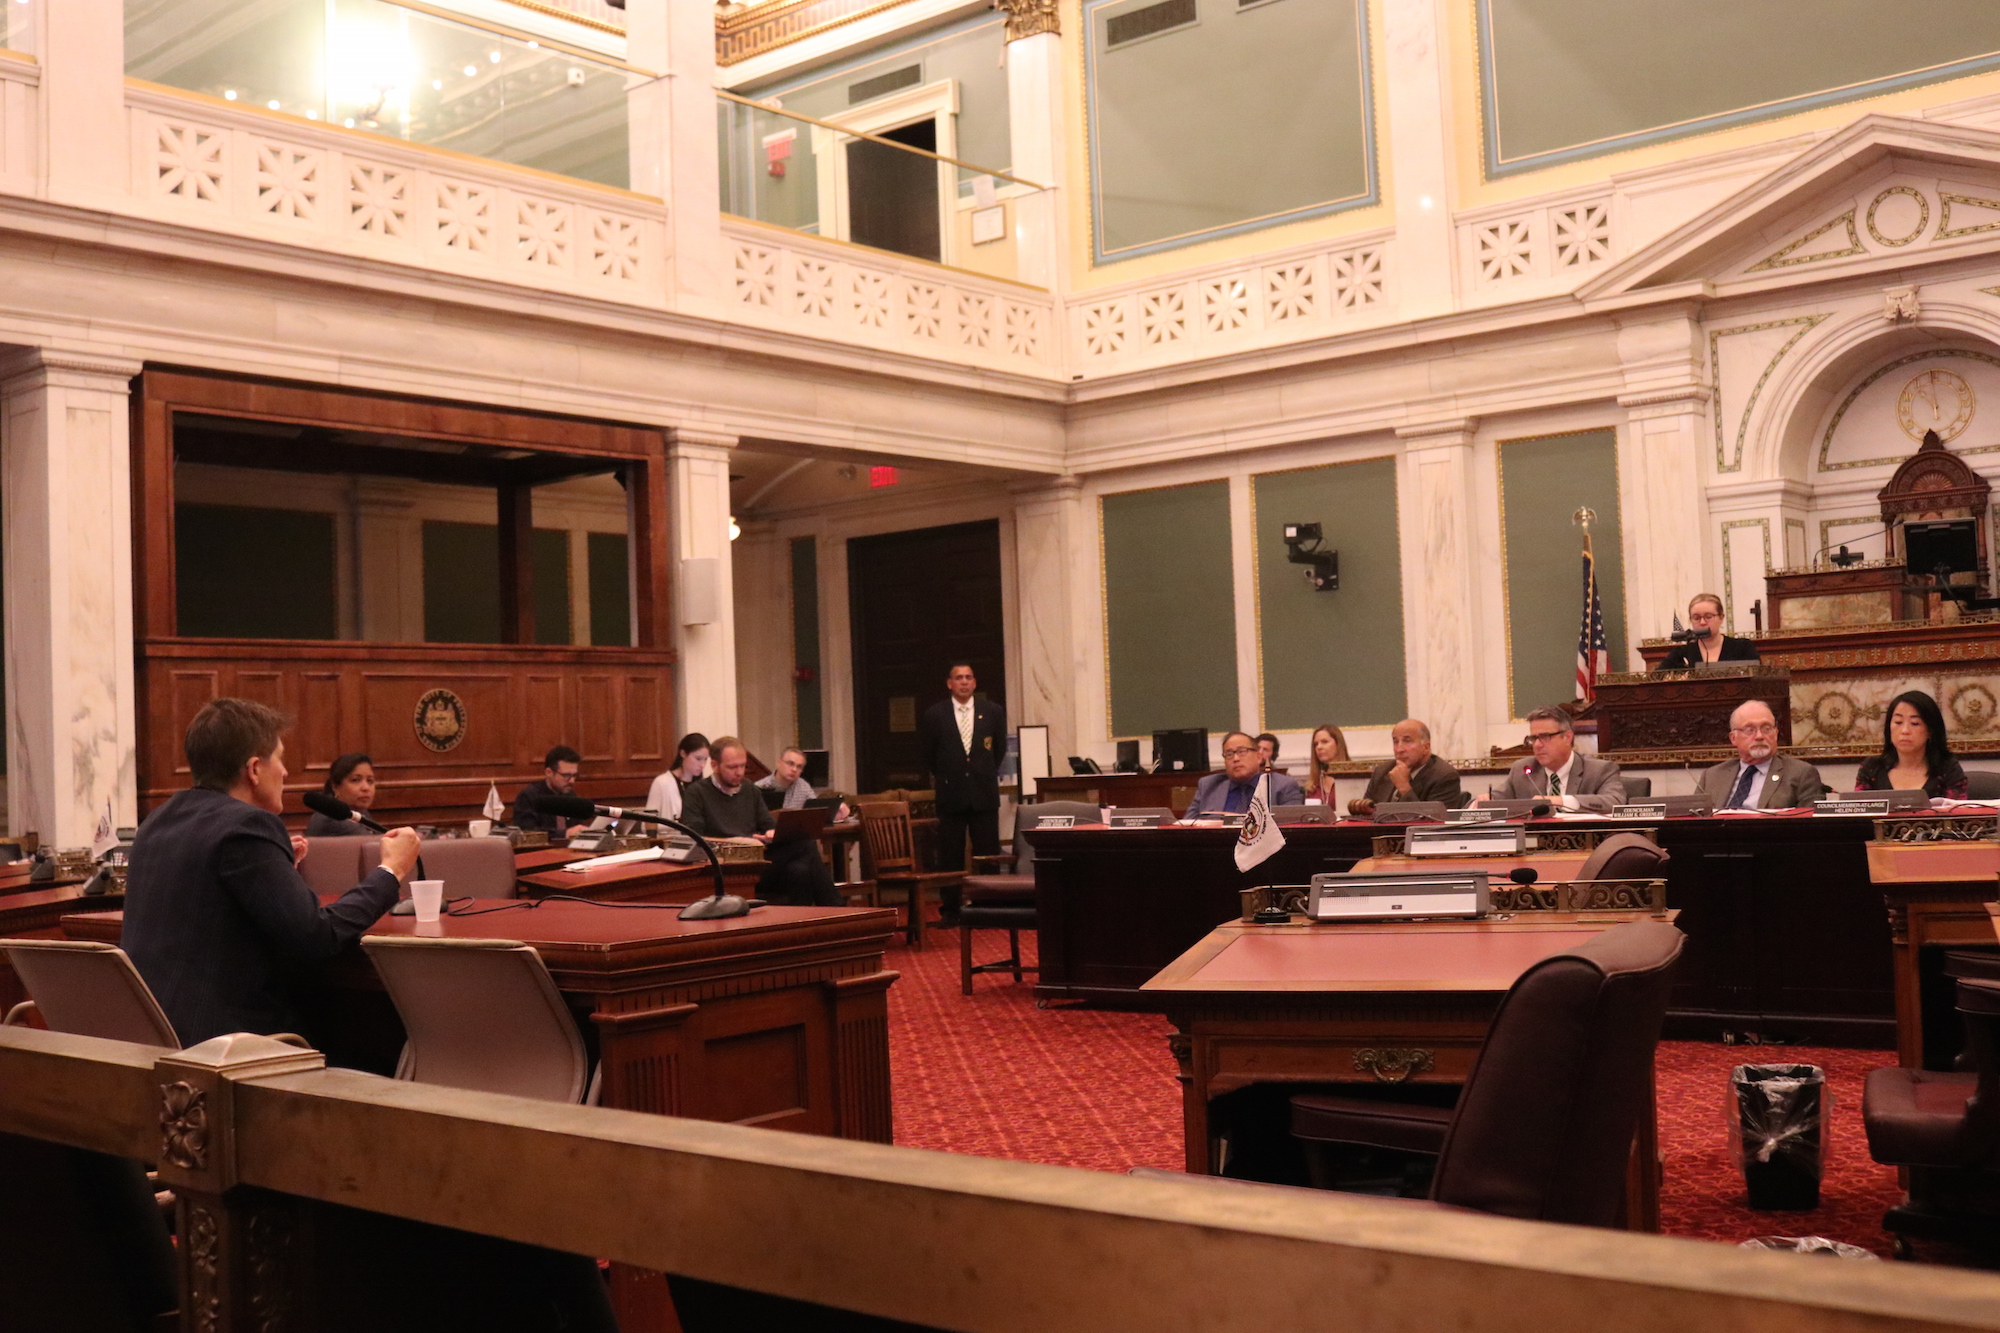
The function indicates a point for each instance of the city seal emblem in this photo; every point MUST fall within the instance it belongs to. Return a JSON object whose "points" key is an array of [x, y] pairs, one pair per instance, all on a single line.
{"points": [[440, 720]]}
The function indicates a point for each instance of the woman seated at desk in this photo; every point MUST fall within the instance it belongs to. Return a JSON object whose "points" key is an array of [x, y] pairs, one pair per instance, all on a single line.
{"points": [[351, 779], [1705, 615], [1328, 747], [1913, 752]]}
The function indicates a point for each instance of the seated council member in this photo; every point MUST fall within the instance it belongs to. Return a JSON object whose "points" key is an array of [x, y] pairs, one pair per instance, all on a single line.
{"points": [[217, 918], [1411, 773], [1229, 792], [1329, 747], [1913, 752], [1581, 781], [1705, 614], [560, 770], [351, 778], [723, 805], [1759, 778], [690, 762]]}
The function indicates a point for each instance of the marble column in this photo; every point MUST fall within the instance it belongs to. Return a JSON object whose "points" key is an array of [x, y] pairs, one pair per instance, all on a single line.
{"points": [[673, 138], [1049, 544], [67, 498], [1420, 154], [703, 608], [1664, 508], [1440, 610], [1038, 128]]}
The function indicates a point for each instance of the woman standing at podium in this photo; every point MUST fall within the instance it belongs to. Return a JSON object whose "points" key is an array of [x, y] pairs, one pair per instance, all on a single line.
{"points": [[1913, 752], [1328, 747], [1705, 618]]}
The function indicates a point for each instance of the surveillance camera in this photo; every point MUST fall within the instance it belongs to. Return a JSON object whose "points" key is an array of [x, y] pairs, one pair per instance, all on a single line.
{"points": [[1301, 532]]}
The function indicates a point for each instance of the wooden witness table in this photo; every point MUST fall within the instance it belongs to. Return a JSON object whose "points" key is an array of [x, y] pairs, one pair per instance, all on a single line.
{"points": [[1369, 1002], [779, 1019], [643, 881], [1937, 894]]}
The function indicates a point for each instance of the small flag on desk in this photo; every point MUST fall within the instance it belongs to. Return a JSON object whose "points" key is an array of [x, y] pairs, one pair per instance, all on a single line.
{"points": [[493, 808], [1259, 836], [1593, 653], [106, 836]]}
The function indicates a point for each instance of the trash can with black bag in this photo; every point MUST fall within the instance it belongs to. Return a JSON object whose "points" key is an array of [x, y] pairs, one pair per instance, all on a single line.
{"points": [[1777, 1128]]}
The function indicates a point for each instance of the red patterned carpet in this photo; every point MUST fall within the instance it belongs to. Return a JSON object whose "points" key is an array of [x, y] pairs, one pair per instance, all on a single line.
{"points": [[994, 1076]]}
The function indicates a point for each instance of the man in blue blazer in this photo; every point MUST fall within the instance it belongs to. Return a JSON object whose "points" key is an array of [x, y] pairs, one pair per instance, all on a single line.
{"points": [[1229, 791]]}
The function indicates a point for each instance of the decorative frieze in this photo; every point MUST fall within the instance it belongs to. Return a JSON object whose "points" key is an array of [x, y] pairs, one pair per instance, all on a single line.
{"points": [[1557, 243]]}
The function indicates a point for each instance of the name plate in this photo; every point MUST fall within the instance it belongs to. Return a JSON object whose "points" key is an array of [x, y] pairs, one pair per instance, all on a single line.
{"points": [[1228, 818], [1135, 821], [1473, 815], [1640, 810], [1463, 840], [1863, 805], [1056, 821]]}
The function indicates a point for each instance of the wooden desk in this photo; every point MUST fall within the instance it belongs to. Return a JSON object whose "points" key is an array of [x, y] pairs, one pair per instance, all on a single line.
{"points": [[1548, 866], [1387, 1002], [643, 881], [1173, 790], [545, 858], [779, 1019], [1786, 932], [1937, 893]]}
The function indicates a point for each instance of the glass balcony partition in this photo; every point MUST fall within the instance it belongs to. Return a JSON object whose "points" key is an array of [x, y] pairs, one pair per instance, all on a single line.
{"points": [[409, 74], [886, 187]]}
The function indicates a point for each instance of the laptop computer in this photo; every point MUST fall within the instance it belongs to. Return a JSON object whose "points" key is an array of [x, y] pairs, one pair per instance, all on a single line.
{"points": [[804, 822]]}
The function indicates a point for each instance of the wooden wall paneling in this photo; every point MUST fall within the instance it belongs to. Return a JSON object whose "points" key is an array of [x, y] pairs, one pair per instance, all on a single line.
{"points": [[153, 511], [264, 687], [517, 566], [597, 718], [390, 701], [189, 691], [316, 731], [542, 719], [645, 719], [646, 526]]}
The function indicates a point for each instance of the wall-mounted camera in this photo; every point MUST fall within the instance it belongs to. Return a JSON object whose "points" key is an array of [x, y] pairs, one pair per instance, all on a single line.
{"points": [[1302, 547]]}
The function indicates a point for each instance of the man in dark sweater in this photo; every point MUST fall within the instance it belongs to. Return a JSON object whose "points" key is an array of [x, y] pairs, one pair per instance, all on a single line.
{"points": [[217, 918], [723, 805], [560, 770]]}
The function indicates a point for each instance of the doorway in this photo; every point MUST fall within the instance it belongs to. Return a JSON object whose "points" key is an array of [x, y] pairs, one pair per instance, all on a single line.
{"points": [[919, 601], [892, 196]]}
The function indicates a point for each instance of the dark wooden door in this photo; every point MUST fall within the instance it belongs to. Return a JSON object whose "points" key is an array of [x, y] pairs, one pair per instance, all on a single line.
{"points": [[919, 601], [892, 196]]}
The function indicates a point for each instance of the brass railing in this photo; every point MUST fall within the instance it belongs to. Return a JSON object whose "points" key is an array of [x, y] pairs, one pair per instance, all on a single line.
{"points": [[243, 1128]]}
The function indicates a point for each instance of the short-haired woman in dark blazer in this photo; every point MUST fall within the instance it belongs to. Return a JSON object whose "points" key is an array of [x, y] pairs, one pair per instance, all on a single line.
{"points": [[1913, 752], [1705, 612], [350, 779]]}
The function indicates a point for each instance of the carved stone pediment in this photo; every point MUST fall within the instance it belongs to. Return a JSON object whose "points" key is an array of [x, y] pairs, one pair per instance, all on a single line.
{"points": [[1881, 194]]}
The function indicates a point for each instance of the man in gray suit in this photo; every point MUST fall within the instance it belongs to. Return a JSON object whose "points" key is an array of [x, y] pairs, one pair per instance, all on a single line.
{"points": [[1570, 780], [1759, 778], [1229, 792]]}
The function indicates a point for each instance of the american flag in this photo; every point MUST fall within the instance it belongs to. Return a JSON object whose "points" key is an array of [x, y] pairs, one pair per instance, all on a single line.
{"points": [[1593, 654]]}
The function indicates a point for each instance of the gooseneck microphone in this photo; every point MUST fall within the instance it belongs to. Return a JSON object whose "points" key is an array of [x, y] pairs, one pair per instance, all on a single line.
{"points": [[320, 803], [723, 904]]}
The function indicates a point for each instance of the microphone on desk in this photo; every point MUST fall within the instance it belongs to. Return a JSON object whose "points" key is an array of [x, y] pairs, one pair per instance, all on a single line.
{"points": [[320, 803], [723, 904], [1525, 876]]}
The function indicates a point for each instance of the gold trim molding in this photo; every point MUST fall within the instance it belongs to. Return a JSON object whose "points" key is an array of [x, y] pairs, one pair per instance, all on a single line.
{"points": [[745, 31], [1030, 18]]}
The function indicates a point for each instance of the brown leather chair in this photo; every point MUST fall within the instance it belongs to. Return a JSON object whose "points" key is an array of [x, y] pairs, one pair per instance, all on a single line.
{"points": [[483, 1015], [89, 989], [1007, 901], [892, 863], [1545, 1125], [333, 865], [1943, 1129], [1625, 856], [469, 867]]}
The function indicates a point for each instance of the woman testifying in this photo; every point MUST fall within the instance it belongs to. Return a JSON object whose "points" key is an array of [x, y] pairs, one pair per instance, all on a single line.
{"points": [[1705, 619], [1913, 755]]}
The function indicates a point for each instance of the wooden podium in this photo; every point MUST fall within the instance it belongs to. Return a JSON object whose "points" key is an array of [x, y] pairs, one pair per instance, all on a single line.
{"points": [[1684, 710]]}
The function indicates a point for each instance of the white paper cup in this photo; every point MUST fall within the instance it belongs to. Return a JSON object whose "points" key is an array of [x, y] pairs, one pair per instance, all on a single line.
{"points": [[428, 895], [479, 828]]}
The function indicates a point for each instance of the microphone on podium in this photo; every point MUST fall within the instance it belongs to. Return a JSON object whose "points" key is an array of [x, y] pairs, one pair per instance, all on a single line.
{"points": [[722, 904]]}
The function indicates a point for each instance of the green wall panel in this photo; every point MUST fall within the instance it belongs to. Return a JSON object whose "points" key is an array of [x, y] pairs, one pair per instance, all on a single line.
{"points": [[1170, 609], [1331, 656], [1564, 79], [1247, 117], [1543, 482], [248, 573], [610, 589], [462, 583], [805, 641]]}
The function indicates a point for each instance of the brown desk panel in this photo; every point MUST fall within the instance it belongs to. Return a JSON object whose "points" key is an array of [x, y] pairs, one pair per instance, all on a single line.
{"points": [[1937, 893]]}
